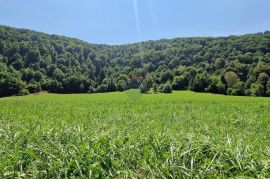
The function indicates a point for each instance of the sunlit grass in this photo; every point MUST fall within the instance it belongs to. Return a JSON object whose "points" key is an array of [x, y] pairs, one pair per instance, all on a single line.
{"points": [[183, 134]]}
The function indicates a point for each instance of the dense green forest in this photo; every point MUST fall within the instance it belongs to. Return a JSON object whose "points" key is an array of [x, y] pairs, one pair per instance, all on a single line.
{"points": [[31, 62]]}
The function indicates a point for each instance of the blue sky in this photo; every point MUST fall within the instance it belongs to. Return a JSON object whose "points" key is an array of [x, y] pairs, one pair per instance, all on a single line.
{"points": [[127, 21]]}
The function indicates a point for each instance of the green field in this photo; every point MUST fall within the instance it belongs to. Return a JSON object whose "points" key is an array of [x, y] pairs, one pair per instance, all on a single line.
{"points": [[178, 135]]}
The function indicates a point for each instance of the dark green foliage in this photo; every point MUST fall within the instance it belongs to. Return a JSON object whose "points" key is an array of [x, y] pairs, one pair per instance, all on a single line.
{"points": [[33, 87], [110, 83], [200, 83], [27, 74], [166, 88], [121, 85], [52, 86], [155, 89], [236, 90], [257, 89], [32, 57], [74, 84], [215, 85], [9, 85], [23, 92], [38, 76], [91, 89], [219, 63], [58, 74], [268, 88], [102, 88], [166, 76], [180, 83], [263, 79], [228, 65], [144, 87]]}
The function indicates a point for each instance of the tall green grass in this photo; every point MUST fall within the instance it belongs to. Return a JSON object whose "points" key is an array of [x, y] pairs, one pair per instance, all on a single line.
{"points": [[178, 135]]}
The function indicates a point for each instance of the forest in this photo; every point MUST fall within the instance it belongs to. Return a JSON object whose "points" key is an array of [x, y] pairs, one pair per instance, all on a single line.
{"points": [[31, 62]]}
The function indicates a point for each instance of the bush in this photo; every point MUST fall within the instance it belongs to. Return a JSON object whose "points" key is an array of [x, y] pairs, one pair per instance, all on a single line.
{"points": [[167, 88], [102, 88], [145, 86], [155, 88], [23, 92], [257, 89], [160, 87], [91, 90], [9, 85], [121, 85], [166, 76], [216, 85], [200, 83], [268, 88], [180, 83], [33, 87], [231, 78], [52, 86], [236, 90]]}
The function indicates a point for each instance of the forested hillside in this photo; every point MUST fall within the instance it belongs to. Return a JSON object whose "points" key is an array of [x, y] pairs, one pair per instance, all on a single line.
{"points": [[31, 62]]}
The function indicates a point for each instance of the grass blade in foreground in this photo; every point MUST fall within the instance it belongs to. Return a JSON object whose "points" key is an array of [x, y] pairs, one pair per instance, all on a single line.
{"points": [[182, 135]]}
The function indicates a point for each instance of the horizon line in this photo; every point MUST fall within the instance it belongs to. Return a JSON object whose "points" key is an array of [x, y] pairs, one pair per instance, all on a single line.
{"points": [[135, 42]]}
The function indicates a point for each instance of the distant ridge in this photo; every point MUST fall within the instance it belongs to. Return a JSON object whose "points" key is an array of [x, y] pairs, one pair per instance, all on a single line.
{"points": [[33, 61]]}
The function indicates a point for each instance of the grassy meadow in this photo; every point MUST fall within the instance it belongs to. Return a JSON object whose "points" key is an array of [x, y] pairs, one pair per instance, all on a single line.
{"points": [[127, 135]]}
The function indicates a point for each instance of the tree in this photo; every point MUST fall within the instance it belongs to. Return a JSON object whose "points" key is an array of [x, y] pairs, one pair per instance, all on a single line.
{"points": [[9, 85], [33, 87], [191, 73], [167, 88], [121, 85], [57, 74], [38, 76], [102, 88], [220, 63], [23, 92], [237, 89], [16, 61], [216, 85], [231, 79], [92, 90], [166, 76], [200, 83], [27, 74], [268, 88], [52, 86], [256, 89], [250, 80], [161, 87], [73, 84], [155, 89], [145, 86], [232, 65], [18, 64], [32, 57], [110, 83], [263, 79], [180, 83], [82, 89]]}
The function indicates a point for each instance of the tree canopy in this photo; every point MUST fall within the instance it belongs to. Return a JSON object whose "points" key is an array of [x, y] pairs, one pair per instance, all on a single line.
{"points": [[32, 61]]}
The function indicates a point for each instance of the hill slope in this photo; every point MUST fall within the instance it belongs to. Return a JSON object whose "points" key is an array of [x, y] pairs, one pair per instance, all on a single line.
{"points": [[31, 61]]}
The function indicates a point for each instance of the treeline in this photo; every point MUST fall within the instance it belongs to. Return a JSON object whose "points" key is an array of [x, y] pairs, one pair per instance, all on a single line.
{"points": [[31, 62]]}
